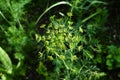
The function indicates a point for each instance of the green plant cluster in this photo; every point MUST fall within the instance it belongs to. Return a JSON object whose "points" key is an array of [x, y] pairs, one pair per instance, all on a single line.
{"points": [[71, 45], [63, 49], [14, 39]]}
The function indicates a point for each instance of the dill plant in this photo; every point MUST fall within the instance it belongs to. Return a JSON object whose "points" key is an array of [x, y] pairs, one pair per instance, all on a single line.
{"points": [[63, 49], [67, 44]]}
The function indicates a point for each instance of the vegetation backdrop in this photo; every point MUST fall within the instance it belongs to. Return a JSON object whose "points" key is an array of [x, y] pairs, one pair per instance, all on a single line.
{"points": [[59, 40]]}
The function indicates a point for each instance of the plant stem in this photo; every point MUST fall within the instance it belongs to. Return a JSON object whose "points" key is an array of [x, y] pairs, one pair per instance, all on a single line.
{"points": [[4, 17], [89, 17]]}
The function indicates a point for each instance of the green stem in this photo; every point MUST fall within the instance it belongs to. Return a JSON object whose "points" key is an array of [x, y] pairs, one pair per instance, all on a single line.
{"points": [[63, 61], [4, 17], [91, 16]]}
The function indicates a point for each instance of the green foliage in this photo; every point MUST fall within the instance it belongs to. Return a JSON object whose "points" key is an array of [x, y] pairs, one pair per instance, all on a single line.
{"points": [[68, 46], [15, 37], [113, 57], [14, 8]]}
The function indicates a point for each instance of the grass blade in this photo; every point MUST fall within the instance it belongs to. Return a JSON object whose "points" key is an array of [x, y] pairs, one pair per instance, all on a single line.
{"points": [[54, 5]]}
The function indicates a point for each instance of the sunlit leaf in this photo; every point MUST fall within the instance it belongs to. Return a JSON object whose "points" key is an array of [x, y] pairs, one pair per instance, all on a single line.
{"points": [[6, 62]]}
